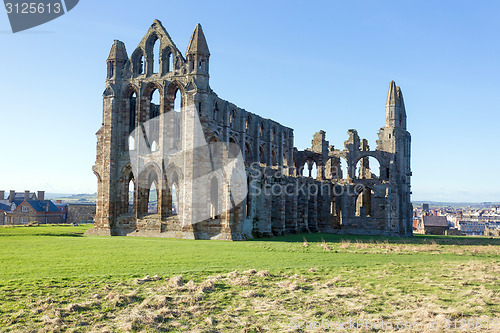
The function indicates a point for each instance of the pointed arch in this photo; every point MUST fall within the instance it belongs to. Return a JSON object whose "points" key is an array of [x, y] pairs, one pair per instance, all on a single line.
{"points": [[153, 47], [248, 153], [150, 174], [138, 61], [166, 60], [172, 89], [127, 185], [274, 158], [216, 112], [232, 118], [262, 154], [248, 123]]}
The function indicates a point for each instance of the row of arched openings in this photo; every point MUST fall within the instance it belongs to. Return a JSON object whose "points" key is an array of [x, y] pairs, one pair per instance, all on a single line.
{"points": [[150, 198], [153, 112], [160, 60], [366, 168]]}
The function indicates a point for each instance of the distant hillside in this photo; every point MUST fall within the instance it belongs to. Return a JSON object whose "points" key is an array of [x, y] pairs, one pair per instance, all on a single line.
{"points": [[474, 205], [72, 198], [88, 198]]}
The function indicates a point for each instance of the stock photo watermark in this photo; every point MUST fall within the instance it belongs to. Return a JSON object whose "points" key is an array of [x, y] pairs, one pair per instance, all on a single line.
{"points": [[396, 325], [25, 15]]}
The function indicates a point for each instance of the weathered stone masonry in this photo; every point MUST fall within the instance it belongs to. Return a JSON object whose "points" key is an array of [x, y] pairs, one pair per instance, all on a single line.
{"points": [[281, 200]]}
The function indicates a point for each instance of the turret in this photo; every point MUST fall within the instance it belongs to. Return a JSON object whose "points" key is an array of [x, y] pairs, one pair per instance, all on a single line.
{"points": [[395, 113], [197, 53], [116, 60]]}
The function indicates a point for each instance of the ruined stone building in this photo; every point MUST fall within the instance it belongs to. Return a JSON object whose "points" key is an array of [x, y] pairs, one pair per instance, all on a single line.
{"points": [[284, 196]]}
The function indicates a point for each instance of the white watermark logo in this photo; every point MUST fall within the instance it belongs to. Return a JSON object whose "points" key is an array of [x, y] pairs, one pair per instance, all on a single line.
{"points": [[26, 14], [210, 178]]}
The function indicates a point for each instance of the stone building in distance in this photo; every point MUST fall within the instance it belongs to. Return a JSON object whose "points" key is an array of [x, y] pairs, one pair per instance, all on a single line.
{"points": [[147, 144], [21, 208]]}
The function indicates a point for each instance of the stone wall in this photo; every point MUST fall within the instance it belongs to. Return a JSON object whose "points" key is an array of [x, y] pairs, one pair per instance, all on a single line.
{"points": [[80, 213]]}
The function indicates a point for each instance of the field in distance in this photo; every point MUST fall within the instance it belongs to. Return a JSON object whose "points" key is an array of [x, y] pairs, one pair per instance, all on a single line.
{"points": [[53, 278]]}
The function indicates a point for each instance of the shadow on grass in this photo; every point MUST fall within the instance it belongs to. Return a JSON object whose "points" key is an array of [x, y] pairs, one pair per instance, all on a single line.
{"points": [[416, 239]]}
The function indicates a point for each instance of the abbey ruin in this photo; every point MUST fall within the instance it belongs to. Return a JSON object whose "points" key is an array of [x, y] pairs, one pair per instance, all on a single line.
{"points": [[146, 145]]}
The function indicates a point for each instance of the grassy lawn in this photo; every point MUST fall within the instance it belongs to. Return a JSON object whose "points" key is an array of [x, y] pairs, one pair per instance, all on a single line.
{"points": [[52, 278]]}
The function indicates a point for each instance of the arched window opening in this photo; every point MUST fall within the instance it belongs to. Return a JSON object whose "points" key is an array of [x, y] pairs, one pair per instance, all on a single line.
{"points": [[141, 65], [130, 197], [178, 101], [247, 123], [216, 112], [175, 201], [232, 117], [138, 61], [248, 207], [132, 105], [248, 154], [166, 61], [310, 169], [154, 106], [156, 56], [368, 168], [285, 159], [131, 143], [314, 171], [273, 135], [261, 130], [153, 199], [274, 158], [214, 198], [154, 115], [262, 155], [154, 147], [344, 169]]}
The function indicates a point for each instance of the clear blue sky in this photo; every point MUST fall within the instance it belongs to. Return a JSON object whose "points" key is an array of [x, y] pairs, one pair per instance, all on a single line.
{"points": [[309, 65]]}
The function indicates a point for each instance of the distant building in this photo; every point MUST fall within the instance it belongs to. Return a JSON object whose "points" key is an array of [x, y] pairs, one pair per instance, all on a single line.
{"points": [[24, 208], [425, 208], [492, 232], [478, 228], [433, 225], [4, 209], [415, 225]]}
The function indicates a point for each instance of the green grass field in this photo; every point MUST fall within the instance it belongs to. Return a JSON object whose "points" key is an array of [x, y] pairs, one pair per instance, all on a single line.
{"points": [[52, 278]]}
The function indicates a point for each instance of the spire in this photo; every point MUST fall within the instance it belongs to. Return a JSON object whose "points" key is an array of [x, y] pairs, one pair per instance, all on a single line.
{"points": [[392, 95], [118, 51], [198, 43], [399, 95]]}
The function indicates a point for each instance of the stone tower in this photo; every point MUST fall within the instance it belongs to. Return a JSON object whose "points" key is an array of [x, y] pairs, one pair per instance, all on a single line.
{"points": [[395, 139]]}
